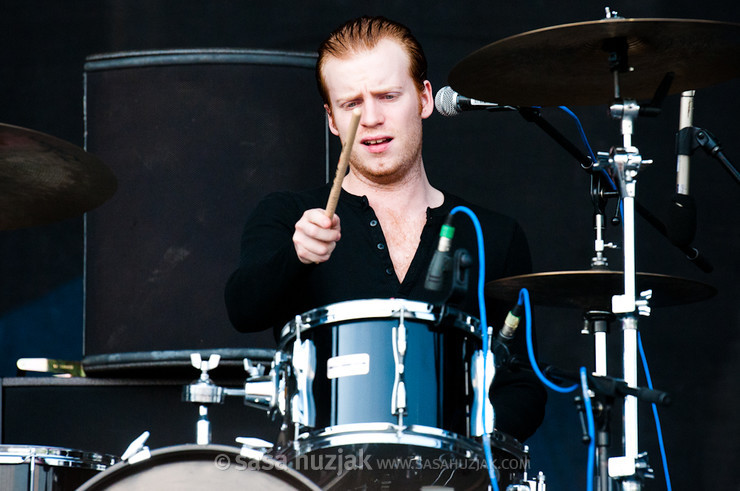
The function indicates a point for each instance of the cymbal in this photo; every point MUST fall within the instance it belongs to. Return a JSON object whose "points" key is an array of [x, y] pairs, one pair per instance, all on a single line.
{"points": [[44, 179], [569, 65], [594, 289]]}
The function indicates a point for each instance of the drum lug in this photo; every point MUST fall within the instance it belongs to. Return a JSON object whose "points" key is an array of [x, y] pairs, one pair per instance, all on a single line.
{"points": [[302, 404], [278, 377], [399, 342], [482, 418]]}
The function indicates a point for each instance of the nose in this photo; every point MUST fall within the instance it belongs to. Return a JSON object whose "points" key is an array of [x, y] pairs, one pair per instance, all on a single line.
{"points": [[372, 112]]}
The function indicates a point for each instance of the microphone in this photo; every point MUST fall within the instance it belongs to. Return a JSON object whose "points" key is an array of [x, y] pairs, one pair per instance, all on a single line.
{"points": [[682, 217], [440, 263], [450, 103], [511, 323], [500, 348], [684, 150]]}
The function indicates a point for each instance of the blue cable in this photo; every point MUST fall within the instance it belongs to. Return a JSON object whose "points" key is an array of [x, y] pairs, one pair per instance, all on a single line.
{"points": [[524, 300], [655, 415], [591, 431], [484, 332], [586, 143], [580, 130]]}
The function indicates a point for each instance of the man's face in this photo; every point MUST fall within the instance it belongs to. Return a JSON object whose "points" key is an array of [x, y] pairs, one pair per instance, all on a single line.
{"points": [[388, 140]]}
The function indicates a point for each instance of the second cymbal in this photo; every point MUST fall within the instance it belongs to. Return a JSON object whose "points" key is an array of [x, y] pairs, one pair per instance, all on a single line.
{"points": [[593, 289], [569, 64]]}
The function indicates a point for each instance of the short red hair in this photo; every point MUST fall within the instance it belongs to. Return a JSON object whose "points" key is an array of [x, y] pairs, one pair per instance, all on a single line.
{"points": [[364, 33]]}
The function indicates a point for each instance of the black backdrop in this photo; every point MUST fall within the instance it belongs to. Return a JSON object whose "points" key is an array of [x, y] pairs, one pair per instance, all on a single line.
{"points": [[496, 160]]}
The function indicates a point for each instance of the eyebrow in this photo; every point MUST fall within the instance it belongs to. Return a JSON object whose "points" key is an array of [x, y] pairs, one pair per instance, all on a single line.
{"points": [[383, 90]]}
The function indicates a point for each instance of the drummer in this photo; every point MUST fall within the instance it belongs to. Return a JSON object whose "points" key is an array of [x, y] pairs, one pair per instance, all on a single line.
{"points": [[381, 239]]}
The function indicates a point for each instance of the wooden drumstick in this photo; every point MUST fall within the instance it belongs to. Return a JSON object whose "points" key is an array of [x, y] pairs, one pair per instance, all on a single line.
{"points": [[336, 188]]}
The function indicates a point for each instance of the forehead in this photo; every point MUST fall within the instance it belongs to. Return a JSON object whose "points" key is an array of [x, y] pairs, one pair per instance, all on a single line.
{"points": [[385, 65]]}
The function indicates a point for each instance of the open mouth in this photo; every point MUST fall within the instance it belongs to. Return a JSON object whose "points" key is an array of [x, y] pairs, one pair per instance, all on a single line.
{"points": [[378, 141]]}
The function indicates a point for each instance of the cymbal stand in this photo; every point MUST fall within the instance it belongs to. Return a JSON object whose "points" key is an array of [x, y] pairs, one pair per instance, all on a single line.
{"points": [[625, 162], [596, 322]]}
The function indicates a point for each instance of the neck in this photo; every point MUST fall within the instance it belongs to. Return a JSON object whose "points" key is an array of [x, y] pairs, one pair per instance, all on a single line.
{"points": [[413, 191]]}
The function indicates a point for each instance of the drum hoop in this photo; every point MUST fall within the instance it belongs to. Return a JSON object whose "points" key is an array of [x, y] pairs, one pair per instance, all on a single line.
{"points": [[377, 308], [169, 454], [56, 457], [388, 433]]}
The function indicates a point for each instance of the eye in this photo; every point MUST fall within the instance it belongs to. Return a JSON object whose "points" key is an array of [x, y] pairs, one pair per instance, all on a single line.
{"points": [[350, 105]]}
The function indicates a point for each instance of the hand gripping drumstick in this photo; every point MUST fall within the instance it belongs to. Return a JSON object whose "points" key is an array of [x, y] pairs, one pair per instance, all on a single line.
{"points": [[336, 188]]}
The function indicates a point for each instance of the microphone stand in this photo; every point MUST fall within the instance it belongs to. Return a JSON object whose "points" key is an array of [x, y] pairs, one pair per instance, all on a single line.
{"points": [[606, 389]]}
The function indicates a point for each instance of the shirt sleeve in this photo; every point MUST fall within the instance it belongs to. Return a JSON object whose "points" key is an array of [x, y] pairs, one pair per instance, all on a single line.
{"points": [[261, 290], [518, 397]]}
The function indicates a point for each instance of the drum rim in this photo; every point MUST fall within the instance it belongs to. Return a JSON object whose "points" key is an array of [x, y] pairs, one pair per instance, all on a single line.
{"points": [[57, 456], [376, 308], [124, 468], [389, 433]]}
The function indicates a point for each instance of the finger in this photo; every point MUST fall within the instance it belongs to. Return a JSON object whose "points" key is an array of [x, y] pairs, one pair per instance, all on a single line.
{"points": [[311, 231], [310, 250]]}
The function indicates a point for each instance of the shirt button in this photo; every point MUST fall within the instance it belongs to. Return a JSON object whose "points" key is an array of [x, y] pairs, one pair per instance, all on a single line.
{"points": [[389, 271], [373, 223], [381, 246]]}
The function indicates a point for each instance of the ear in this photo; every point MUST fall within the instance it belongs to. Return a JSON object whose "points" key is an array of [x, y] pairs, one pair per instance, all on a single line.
{"points": [[330, 118], [426, 98]]}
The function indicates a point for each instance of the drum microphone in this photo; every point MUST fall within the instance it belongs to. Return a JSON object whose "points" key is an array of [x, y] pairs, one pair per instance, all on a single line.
{"points": [[441, 260], [511, 323], [682, 217], [450, 103], [500, 348]]}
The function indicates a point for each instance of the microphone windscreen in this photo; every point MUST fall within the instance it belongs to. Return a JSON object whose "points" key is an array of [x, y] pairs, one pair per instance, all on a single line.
{"points": [[445, 102], [682, 220]]}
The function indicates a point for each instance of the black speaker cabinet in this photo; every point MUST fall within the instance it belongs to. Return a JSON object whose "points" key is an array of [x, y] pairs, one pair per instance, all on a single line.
{"points": [[195, 138]]}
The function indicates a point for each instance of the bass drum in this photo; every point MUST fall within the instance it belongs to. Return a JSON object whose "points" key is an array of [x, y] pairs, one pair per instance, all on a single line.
{"points": [[199, 467], [39, 468], [386, 457]]}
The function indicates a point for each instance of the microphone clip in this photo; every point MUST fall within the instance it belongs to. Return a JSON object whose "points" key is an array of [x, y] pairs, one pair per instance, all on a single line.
{"points": [[461, 263], [458, 287]]}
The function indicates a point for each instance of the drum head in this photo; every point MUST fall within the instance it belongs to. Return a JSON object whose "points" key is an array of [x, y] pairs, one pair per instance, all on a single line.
{"points": [[199, 467]]}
